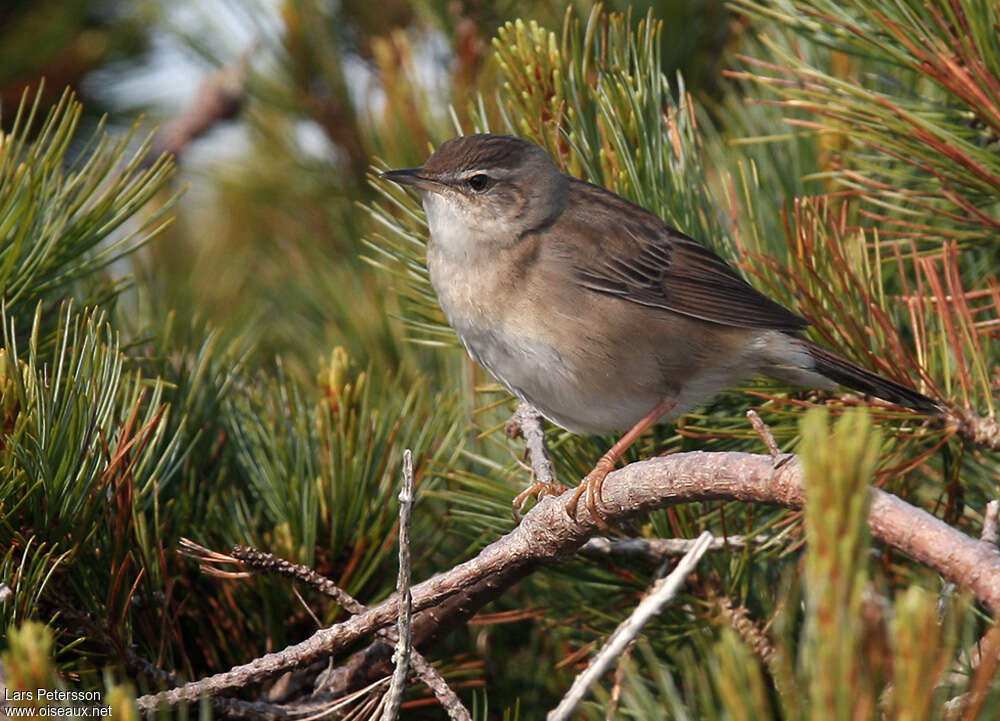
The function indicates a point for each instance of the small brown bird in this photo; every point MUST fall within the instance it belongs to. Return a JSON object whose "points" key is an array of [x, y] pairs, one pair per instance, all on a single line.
{"points": [[594, 310]]}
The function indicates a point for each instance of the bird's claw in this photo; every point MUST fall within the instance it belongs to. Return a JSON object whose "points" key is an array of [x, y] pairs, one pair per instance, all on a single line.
{"points": [[537, 490], [592, 485]]}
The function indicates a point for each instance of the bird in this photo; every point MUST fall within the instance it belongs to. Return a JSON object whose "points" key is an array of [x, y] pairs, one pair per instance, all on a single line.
{"points": [[593, 309]]}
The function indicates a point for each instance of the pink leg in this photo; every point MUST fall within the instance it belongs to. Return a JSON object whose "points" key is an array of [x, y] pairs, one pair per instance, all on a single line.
{"points": [[594, 482]]}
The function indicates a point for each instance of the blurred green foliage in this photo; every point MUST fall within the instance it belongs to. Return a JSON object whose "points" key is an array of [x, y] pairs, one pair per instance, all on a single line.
{"points": [[65, 41], [252, 371]]}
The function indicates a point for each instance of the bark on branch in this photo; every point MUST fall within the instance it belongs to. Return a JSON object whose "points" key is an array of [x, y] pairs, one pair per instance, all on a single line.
{"points": [[547, 534]]}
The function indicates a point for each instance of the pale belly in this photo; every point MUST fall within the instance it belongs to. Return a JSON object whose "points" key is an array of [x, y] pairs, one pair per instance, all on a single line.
{"points": [[540, 375]]}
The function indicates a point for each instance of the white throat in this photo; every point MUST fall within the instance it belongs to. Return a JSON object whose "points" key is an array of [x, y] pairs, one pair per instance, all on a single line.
{"points": [[457, 232]]}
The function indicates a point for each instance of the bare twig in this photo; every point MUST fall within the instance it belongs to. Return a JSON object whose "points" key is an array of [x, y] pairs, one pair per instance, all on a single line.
{"points": [[616, 688], [765, 434], [445, 695], [527, 423], [663, 592], [261, 561], [394, 696], [656, 549], [148, 668], [990, 532], [547, 534], [764, 431], [611, 710]]}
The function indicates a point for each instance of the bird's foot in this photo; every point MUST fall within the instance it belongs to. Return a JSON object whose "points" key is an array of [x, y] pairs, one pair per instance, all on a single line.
{"points": [[592, 485], [537, 490]]}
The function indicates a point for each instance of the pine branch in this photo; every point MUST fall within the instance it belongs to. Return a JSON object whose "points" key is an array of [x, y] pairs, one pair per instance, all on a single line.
{"points": [[922, 115], [63, 221], [548, 534]]}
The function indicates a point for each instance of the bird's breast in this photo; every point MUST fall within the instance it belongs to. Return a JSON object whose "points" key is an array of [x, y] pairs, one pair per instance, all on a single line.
{"points": [[528, 346], [480, 305]]}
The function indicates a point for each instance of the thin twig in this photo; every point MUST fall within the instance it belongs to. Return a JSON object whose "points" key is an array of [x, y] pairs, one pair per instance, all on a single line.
{"points": [[991, 530], [656, 549], [445, 695], [616, 687], [401, 657], [263, 562], [547, 534], [764, 431], [663, 592], [527, 423]]}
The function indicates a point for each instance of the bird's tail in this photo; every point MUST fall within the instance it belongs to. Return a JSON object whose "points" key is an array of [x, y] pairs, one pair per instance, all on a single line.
{"points": [[842, 371]]}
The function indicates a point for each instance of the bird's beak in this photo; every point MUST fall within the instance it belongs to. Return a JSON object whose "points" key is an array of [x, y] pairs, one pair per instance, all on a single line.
{"points": [[411, 176]]}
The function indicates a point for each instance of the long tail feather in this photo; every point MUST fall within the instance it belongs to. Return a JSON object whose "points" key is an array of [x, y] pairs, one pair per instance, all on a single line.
{"points": [[842, 371]]}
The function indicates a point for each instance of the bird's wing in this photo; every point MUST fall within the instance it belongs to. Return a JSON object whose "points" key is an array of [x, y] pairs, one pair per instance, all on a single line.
{"points": [[645, 261]]}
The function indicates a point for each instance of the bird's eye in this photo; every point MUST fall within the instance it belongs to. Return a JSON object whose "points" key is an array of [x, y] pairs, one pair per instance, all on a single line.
{"points": [[479, 182]]}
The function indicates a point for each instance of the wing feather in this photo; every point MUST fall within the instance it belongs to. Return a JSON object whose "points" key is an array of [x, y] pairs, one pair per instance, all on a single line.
{"points": [[645, 261]]}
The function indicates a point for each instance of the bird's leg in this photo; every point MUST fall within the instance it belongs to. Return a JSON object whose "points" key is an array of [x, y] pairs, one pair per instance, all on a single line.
{"points": [[593, 484]]}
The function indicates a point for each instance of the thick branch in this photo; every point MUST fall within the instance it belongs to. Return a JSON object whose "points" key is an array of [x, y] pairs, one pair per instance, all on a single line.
{"points": [[548, 534]]}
